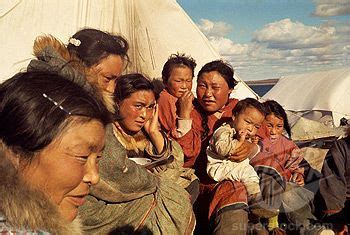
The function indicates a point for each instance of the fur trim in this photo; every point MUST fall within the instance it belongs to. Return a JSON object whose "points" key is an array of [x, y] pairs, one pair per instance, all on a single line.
{"points": [[25, 208], [50, 50]]}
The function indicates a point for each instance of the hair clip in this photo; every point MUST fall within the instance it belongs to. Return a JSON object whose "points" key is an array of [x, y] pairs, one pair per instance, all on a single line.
{"points": [[56, 104], [74, 41]]}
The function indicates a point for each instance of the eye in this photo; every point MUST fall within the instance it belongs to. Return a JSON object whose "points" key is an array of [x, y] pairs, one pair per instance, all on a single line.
{"points": [[138, 106], [98, 158], [82, 158], [151, 107]]}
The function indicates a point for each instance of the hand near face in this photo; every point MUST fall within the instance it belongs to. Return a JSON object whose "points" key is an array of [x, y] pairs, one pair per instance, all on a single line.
{"points": [[152, 129], [243, 151], [184, 105], [151, 126]]}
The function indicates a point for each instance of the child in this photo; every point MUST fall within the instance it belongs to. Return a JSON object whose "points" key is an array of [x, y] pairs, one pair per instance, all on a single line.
{"points": [[248, 115], [177, 75], [278, 162]]}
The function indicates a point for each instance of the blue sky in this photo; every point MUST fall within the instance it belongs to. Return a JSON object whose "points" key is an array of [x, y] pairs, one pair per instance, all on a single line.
{"points": [[271, 38]]}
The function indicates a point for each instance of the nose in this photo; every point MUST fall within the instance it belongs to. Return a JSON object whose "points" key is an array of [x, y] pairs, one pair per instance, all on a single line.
{"points": [[273, 131], [143, 113], [183, 85], [111, 86], [91, 174], [208, 92]]}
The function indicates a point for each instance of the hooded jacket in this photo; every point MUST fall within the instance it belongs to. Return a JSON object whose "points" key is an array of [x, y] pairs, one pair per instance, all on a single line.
{"points": [[53, 56], [27, 210]]}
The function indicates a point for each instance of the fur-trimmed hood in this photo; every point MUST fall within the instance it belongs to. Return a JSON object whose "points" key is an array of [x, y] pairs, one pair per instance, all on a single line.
{"points": [[27, 209], [53, 56]]}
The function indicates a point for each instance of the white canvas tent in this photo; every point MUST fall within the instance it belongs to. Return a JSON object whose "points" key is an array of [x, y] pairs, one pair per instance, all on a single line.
{"points": [[322, 91], [154, 28]]}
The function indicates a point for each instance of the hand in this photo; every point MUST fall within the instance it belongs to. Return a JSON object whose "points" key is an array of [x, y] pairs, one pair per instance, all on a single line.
{"points": [[184, 105], [298, 179], [152, 126], [152, 129], [243, 150]]}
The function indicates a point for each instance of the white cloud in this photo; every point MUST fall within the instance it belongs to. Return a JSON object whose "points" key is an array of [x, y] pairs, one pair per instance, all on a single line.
{"points": [[216, 29], [285, 47], [325, 8], [285, 34]]}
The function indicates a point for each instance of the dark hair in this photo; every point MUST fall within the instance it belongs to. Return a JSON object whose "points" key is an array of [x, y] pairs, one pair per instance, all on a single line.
{"points": [[273, 107], [248, 103], [96, 45], [130, 83], [176, 61], [225, 70], [35, 108]]}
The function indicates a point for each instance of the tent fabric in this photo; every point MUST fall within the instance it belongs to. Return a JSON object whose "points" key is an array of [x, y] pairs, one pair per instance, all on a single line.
{"points": [[155, 29], [324, 90]]}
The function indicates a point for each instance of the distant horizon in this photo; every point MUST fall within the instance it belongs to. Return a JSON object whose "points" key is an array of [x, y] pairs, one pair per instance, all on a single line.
{"points": [[267, 39]]}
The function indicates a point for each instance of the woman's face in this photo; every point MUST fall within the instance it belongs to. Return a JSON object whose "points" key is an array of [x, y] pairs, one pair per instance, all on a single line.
{"points": [[136, 110], [108, 70], [65, 168], [180, 81], [212, 91], [275, 125]]}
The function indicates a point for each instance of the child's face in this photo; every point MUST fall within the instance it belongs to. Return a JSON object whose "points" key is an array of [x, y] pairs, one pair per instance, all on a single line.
{"points": [[180, 81], [275, 125], [249, 121]]}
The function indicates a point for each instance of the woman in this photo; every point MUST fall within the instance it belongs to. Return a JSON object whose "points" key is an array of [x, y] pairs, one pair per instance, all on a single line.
{"points": [[130, 198], [99, 55], [212, 108], [49, 161]]}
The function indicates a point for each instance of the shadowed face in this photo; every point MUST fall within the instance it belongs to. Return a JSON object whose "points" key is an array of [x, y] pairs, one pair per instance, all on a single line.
{"points": [[212, 91], [180, 81], [136, 110], [275, 125], [108, 70], [249, 120], [65, 169]]}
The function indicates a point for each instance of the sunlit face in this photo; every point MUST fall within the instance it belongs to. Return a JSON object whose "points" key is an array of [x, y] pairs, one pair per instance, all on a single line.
{"points": [[108, 70], [212, 91], [249, 120], [275, 125], [65, 168], [136, 110], [180, 81]]}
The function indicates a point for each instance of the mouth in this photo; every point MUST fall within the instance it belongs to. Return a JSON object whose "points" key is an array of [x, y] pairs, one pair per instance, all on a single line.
{"points": [[78, 200], [140, 123], [208, 101]]}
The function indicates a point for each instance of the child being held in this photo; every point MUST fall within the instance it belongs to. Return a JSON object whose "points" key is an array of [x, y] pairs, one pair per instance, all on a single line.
{"points": [[177, 75], [248, 116]]}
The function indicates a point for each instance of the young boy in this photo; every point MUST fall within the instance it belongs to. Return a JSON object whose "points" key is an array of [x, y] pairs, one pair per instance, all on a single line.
{"points": [[177, 75], [248, 115]]}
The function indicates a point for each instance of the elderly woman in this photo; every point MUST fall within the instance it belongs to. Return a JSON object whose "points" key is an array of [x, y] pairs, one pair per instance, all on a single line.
{"points": [[223, 203], [100, 55], [129, 197], [51, 142]]}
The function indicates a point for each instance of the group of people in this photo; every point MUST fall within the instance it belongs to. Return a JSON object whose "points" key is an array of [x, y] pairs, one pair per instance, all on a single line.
{"points": [[87, 150]]}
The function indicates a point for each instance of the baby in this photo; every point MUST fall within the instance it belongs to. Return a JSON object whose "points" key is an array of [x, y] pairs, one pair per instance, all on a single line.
{"points": [[248, 116]]}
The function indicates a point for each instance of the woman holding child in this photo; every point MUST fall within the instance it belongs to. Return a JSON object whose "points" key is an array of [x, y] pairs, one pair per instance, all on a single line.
{"points": [[212, 108]]}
